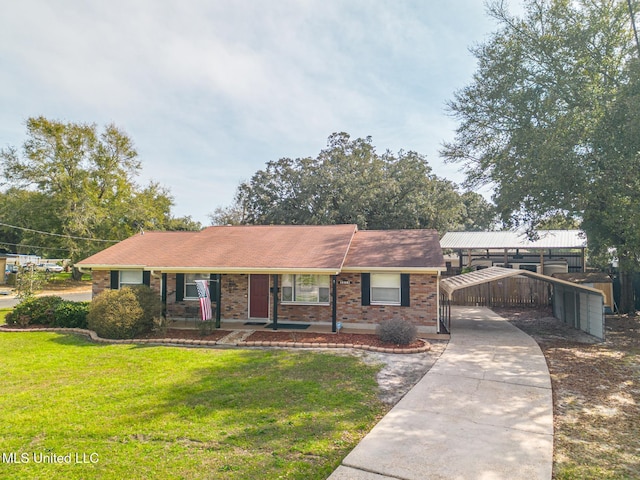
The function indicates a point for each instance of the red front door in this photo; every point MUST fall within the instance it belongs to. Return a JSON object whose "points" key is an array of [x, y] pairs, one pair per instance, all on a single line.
{"points": [[259, 296]]}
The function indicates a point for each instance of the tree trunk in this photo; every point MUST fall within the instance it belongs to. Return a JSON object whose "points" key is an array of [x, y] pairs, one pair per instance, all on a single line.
{"points": [[76, 274]]}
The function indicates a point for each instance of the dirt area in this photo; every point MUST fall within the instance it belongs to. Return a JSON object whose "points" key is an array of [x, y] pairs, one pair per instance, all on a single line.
{"points": [[67, 286], [400, 372], [313, 337], [596, 394]]}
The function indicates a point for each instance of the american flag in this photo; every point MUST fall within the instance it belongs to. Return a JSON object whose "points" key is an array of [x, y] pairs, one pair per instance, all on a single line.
{"points": [[205, 302]]}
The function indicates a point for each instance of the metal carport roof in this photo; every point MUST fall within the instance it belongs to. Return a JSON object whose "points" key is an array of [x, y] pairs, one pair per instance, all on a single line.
{"points": [[560, 239], [571, 300], [478, 277]]}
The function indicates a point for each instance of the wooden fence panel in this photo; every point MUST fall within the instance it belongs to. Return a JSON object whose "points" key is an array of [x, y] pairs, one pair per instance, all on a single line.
{"points": [[508, 292]]}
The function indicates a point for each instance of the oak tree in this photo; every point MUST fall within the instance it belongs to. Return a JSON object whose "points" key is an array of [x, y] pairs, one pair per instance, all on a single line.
{"points": [[75, 182], [350, 182], [537, 122]]}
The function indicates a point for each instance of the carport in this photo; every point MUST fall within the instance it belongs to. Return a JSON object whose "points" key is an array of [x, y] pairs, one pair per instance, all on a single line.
{"points": [[576, 305]]}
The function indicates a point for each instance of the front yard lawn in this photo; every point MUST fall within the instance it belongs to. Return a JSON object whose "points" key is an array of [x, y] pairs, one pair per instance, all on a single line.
{"points": [[72, 409]]}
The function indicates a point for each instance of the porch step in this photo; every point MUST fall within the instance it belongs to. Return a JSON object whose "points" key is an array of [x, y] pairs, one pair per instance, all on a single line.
{"points": [[234, 337]]}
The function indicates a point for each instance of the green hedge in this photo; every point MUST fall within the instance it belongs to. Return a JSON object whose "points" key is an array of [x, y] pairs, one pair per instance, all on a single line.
{"points": [[34, 311], [51, 311], [70, 314]]}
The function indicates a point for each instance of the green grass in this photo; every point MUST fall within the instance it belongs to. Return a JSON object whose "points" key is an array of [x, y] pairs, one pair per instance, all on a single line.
{"points": [[163, 412], [3, 314], [64, 278]]}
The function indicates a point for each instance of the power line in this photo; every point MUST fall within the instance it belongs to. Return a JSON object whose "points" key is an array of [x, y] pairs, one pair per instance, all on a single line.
{"points": [[58, 234], [34, 246]]}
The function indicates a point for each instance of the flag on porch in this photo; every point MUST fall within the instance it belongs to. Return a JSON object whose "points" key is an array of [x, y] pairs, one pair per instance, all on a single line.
{"points": [[205, 302]]}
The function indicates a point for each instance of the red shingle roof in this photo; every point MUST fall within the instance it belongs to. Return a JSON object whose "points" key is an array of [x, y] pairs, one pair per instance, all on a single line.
{"points": [[273, 248], [234, 248], [407, 249]]}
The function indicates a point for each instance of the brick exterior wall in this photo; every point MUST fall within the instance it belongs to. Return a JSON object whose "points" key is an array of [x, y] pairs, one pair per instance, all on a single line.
{"points": [[303, 313], [423, 309], [183, 309], [101, 281], [234, 296]]}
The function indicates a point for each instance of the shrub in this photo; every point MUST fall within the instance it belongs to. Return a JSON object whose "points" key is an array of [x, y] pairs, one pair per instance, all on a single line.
{"points": [[10, 318], [70, 314], [35, 310], [397, 331], [123, 313], [151, 305]]}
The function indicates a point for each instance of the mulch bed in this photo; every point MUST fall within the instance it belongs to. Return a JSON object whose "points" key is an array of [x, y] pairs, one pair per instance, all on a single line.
{"points": [[289, 337], [369, 339]]}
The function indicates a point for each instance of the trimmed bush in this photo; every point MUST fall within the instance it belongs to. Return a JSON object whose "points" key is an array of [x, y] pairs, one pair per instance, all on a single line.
{"points": [[70, 314], [34, 311], [124, 313], [151, 304], [397, 331], [10, 318]]}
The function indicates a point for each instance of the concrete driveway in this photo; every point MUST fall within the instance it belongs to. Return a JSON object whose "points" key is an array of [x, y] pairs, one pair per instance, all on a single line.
{"points": [[484, 411]]}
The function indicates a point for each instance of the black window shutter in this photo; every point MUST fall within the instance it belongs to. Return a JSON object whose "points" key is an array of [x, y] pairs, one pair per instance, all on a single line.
{"points": [[146, 278], [179, 287], [115, 279], [164, 288], [365, 283], [405, 294]]}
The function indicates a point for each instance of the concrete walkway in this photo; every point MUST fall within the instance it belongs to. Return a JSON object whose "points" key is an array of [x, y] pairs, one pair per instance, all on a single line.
{"points": [[484, 411]]}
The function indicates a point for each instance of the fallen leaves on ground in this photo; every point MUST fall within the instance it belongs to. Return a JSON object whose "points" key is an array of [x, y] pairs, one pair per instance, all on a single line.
{"points": [[596, 394]]}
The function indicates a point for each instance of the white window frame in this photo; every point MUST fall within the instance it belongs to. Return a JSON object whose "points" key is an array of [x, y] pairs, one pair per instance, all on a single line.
{"points": [[131, 281], [190, 282], [315, 292], [382, 286]]}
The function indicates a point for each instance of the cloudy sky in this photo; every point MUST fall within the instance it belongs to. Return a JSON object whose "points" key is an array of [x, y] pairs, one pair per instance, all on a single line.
{"points": [[211, 90]]}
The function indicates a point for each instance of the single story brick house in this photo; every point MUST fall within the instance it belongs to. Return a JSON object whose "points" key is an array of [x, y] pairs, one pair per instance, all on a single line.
{"points": [[333, 273]]}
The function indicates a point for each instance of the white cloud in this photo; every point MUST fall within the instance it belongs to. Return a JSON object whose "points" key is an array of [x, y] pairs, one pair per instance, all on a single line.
{"points": [[211, 90]]}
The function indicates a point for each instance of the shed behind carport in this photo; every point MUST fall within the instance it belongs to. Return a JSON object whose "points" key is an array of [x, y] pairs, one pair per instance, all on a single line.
{"points": [[576, 305]]}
